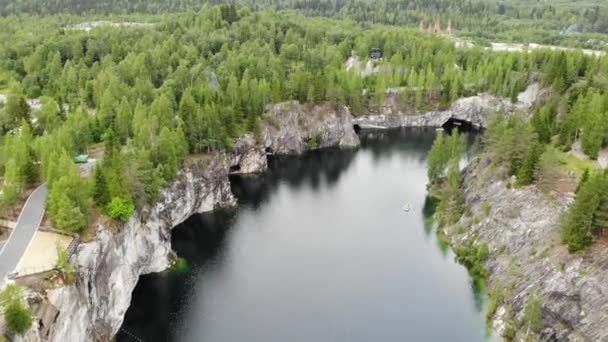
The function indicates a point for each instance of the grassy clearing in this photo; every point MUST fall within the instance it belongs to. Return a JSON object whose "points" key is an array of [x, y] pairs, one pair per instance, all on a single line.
{"points": [[569, 162]]}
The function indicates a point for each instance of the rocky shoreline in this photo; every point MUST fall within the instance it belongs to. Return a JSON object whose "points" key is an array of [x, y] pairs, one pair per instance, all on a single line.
{"points": [[521, 229], [109, 267]]}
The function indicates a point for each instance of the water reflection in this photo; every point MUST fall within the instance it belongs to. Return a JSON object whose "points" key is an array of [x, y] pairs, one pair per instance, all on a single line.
{"points": [[315, 169], [384, 143], [319, 249]]}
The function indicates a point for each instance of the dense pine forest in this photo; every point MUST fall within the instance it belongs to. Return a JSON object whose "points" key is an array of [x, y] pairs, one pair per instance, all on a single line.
{"points": [[579, 23], [147, 97]]}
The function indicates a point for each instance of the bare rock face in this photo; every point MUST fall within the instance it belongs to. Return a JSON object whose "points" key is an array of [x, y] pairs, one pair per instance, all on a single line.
{"points": [[292, 128], [474, 109], [248, 156], [521, 227], [109, 267]]}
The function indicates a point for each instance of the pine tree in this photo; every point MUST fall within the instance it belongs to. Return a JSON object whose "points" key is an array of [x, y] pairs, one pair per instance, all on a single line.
{"points": [[12, 184], [528, 171], [187, 113], [578, 224], [451, 201], [591, 139], [543, 122], [558, 72], [162, 111], [592, 136], [123, 121], [570, 126], [15, 112], [443, 151], [146, 180], [166, 154], [67, 215], [49, 117], [600, 217], [435, 162], [101, 193], [584, 179]]}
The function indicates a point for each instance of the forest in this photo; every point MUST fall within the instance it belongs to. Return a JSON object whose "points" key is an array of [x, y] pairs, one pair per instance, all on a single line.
{"points": [[531, 151], [149, 97], [578, 24]]}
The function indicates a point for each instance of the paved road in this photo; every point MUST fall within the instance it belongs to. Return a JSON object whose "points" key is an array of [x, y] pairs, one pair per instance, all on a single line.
{"points": [[22, 235]]}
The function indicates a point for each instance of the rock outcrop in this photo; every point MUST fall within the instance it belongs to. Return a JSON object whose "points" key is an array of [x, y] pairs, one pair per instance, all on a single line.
{"points": [[474, 110], [521, 227], [110, 266], [247, 157], [292, 128]]}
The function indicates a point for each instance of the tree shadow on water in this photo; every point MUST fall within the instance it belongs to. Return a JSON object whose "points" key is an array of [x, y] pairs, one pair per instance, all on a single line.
{"points": [[319, 169]]}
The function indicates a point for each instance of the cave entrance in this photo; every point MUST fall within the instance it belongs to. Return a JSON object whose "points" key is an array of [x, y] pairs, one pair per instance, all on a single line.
{"points": [[357, 128], [461, 125], [235, 169]]}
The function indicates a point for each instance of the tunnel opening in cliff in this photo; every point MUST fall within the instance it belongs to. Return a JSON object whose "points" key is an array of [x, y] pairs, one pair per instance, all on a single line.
{"points": [[461, 125], [357, 128], [235, 169]]}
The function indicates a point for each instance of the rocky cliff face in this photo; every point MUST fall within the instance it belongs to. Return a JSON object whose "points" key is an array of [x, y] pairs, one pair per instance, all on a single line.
{"points": [[291, 128], [247, 157], [521, 227], [474, 109], [109, 267]]}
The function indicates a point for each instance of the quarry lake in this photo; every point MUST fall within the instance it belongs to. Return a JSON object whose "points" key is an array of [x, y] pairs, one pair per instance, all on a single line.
{"points": [[319, 249]]}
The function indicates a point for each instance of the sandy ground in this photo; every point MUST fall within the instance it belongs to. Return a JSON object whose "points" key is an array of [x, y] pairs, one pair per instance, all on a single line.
{"points": [[41, 254]]}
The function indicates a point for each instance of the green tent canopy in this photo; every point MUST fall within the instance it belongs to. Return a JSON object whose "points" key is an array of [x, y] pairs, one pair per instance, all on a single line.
{"points": [[83, 158]]}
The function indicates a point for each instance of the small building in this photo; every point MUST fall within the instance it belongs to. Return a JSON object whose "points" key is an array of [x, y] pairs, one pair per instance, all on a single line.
{"points": [[375, 53], [81, 159]]}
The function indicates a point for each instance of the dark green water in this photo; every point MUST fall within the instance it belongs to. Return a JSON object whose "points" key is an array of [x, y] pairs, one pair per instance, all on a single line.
{"points": [[319, 250]]}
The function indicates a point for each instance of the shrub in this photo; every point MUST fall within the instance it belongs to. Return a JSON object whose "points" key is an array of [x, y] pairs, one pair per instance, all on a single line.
{"points": [[458, 229], [121, 209], [63, 264], [533, 312], [18, 317], [17, 314], [473, 258], [486, 208], [314, 142], [180, 267], [476, 220], [502, 249], [495, 299], [509, 333]]}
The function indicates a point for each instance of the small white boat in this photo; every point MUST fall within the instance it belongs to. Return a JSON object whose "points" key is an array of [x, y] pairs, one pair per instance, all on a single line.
{"points": [[407, 207]]}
